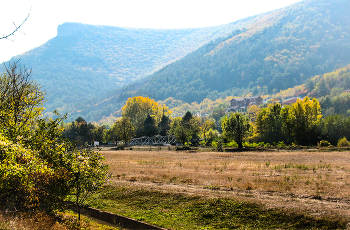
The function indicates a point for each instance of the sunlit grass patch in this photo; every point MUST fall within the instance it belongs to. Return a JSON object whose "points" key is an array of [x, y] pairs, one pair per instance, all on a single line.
{"points": [[179, 211]]}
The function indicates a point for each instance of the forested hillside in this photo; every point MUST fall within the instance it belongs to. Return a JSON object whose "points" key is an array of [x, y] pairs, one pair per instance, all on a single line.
{"points": [[90, 71], [332, 90], [280, 50], [85, 61]]}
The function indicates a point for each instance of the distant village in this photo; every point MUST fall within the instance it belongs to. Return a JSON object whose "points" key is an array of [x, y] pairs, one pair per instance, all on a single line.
{"points": [[242, 103]]}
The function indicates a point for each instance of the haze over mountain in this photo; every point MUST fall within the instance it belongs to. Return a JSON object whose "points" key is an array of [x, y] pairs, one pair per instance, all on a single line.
{"points": [[85, 61], [261, 55], [276, 51]]}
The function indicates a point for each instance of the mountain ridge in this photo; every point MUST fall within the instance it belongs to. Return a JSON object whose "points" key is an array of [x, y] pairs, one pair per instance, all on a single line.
{"points": [[85, 61], [277, 51]]}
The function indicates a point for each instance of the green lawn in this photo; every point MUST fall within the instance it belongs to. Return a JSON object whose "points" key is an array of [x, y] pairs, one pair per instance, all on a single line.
{"points": [[175, 211]]}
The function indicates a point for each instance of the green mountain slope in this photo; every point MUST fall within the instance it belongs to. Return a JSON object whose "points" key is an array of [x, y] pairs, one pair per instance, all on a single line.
{"points": [[331, 89], [85, 61], [280, 50]]}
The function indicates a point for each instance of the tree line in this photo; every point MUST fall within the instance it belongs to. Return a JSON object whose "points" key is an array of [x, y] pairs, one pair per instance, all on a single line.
{"points": [[300, 123]]}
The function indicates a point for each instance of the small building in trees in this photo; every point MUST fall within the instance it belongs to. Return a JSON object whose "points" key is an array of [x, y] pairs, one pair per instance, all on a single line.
{"points": [[291, 101], [244, 102]]}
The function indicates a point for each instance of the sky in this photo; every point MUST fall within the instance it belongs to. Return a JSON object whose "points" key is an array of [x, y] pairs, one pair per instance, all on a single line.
{"points": [[46, 15]]}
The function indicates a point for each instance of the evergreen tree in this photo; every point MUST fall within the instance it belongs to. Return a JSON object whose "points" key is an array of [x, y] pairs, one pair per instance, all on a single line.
{"points": [[164, 125], [187, 117], [149, 127]]}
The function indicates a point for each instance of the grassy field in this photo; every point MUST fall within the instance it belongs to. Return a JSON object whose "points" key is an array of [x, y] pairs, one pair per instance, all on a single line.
{"points": [[216, 190]]}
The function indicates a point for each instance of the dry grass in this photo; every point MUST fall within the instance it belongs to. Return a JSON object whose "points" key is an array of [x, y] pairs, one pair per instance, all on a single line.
{"points": [[39, 221], [316, 182], [25, 221]]}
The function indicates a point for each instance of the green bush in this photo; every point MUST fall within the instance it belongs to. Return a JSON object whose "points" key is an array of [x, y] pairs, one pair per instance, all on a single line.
{"points": [[218, 145], [203, 143], [279, 144], [256, 145], [324, 143], [343, 142], [232, 144]]}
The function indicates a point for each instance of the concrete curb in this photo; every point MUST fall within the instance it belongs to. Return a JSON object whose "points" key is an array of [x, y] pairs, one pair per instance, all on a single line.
{"points": [[122, 221]]}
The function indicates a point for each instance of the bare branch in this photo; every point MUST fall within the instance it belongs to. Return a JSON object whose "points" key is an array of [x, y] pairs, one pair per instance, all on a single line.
{"points": [[16, 27]]}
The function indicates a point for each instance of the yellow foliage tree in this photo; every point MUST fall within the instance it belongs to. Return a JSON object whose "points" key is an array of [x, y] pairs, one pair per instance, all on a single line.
{"points": [[137, 109], [301, 120]]}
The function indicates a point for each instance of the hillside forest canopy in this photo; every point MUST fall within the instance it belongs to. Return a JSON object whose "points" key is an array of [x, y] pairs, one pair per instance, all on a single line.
{"points": [[330, 90], [282, 49]]}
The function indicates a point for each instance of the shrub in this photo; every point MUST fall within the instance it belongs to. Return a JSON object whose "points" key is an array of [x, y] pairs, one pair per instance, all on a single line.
{"points": [[217, 145], [203, 143], [256, 145], [121, 146], [279, 144], [343, 142], [324, 143], [232, 144]]}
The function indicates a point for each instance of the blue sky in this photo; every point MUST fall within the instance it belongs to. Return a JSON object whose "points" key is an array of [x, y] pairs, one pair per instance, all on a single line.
{"points": [[46, 15]]}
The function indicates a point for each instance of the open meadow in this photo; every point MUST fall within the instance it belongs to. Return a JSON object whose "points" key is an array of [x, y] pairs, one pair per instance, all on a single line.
{"points": [[310, 182]]}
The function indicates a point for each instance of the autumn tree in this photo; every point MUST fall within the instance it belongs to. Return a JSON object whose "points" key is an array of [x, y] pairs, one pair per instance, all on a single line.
{"points": [[124, 129], [21, 101], [236, 127], [99, 133], [185, 128], [269, 124], [35, 159], [253, 112], [301, 121], [207, 125], [138, 108]]}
